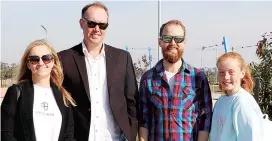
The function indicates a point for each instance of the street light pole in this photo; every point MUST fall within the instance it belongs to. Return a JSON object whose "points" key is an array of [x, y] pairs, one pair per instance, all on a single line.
{"points": [[202, 49], [159, 23], [202, 56], [45, 31]]}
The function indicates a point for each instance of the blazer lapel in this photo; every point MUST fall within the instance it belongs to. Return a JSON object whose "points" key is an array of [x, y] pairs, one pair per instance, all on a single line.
{"points": [[110, 63], [81, 65], [27, 98], [59, 100]]}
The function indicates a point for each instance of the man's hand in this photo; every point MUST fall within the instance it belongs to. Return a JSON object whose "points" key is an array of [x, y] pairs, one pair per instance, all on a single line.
{"points": [[203, 136], [143, 134]]}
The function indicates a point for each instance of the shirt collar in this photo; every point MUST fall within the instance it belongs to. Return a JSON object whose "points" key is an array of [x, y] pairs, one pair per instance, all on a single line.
{"points": [[160, 68], [86, 52]]}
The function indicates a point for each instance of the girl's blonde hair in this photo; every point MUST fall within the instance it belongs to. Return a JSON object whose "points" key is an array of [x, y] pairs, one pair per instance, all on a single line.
{"points": [[56, 75], [247, 81]]}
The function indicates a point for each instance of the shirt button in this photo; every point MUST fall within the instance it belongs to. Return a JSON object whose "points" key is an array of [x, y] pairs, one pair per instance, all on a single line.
{"points": [[97, 102], [95, 88], [95, 130], [89, 109], [96, 116]]}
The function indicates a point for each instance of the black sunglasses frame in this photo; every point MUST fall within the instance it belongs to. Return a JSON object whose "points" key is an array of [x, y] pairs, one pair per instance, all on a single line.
{"points": [[34, 59], [92, 24], [173, 38]]}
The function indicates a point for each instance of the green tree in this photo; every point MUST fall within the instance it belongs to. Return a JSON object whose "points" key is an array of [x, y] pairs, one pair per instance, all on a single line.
{"points": [[262, 73], [142, 66], [8, 72], [211, 75]]}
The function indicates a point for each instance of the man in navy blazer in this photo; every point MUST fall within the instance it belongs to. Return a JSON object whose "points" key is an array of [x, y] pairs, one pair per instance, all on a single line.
{"points": [[102, 81]]}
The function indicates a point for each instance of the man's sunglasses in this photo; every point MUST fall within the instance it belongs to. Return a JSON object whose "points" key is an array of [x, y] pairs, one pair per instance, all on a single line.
{"points": [[92, 24], [36, 59], [168, 39]]}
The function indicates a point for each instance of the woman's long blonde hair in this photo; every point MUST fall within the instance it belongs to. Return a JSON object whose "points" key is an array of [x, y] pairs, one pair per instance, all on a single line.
{"points": [[56, 75]]}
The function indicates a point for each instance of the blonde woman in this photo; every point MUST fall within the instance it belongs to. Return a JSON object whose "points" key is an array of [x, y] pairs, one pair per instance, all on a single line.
{"points": [[38, 108]]}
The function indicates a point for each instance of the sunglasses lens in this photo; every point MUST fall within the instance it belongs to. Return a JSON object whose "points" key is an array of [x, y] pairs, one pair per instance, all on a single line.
{"points": [[34, 59], [103, 26], [47, 58], [91, 24], [179, 39], [167, 39]]}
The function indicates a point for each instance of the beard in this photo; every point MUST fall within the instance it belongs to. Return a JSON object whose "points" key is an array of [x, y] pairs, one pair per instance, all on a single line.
{"points": [[172, 57]]}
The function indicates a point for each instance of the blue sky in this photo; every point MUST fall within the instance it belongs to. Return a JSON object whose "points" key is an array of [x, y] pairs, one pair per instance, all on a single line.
{"points": [[135, 24]]}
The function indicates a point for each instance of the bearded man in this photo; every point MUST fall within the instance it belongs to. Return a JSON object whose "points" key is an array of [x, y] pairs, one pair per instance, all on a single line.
{"points": [[175, 97]]}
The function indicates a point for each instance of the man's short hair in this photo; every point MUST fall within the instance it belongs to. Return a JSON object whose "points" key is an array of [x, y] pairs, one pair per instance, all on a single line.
{"points": [[95, 4], [173, 22]]}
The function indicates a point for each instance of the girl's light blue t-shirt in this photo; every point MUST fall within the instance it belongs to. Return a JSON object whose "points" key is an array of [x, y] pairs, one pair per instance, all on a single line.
{"points": [[237, 118]]}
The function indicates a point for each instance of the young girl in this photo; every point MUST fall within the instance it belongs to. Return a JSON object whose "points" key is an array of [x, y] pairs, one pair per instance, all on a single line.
{"points": [[38, 108], [236, 116]]}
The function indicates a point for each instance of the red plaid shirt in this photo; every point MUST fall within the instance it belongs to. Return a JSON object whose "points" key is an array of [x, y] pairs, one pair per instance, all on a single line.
{"points": [[175, 115]]}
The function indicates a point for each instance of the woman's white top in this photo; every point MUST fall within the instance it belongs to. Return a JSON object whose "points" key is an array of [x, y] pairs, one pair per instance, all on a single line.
{"points": [[46, 115], [237, 118]]}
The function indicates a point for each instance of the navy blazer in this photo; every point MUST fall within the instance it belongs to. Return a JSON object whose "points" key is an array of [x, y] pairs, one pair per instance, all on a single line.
{"points": [[122, 89]]}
